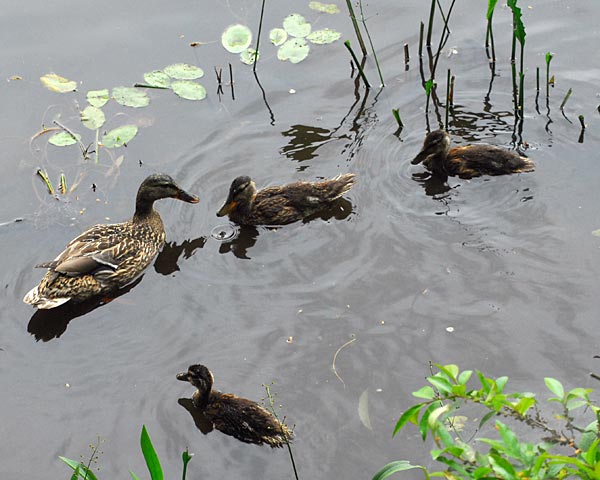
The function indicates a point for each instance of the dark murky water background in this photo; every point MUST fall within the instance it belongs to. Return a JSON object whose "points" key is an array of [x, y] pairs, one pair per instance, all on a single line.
{"points": [[510, 263]]}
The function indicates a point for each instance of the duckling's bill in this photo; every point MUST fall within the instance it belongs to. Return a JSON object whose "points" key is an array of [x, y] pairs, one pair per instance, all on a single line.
{"points": [[227, 208], [184, 377]]}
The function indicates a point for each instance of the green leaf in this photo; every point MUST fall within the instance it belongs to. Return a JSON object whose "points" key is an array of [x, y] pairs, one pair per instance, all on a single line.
{"points": [[596, 233], [157, 78], [555, 387], [451, 371], [464, 377], [295, 50], [435, 414], [189, 90], [428, 86], [486, 417], [236, 38], [249, 56], [98, 98], [519, 28], [92, 117], [524, 405], [410, 415], [56, 83], [64, 139], [426, 392], [75, 475], [502, 467], [324, 7], [296, 25], [119, 136], [183, 71], [84, 472], [395, 467], [278, 36], [490, 10], [322, 37], [134, 476], [510, 439], [501, 383], [150, 456], [441, 384], [424, 423], [549, 57], [130, 97]]}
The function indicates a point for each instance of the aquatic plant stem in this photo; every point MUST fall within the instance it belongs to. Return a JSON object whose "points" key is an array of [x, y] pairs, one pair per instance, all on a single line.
{"points": [[548, 60], [430, 26], [564, 102], [260, 22], [358, 66], [364, 22], [287, 442], [356, 29], [447, 98]]}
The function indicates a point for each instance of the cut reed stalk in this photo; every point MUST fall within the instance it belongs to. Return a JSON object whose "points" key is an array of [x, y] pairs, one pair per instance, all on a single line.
{"points": [[358, 66]]}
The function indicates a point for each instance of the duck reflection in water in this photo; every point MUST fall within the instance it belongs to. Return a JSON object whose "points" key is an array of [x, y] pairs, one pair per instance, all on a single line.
{"points": [[235, 416], [48, 324]]}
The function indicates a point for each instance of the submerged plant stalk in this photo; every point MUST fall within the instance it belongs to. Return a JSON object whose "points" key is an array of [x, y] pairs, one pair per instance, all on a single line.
{"points": [[548, 60], [356, 29], [358, 66], [260, 22], [566, 99]]}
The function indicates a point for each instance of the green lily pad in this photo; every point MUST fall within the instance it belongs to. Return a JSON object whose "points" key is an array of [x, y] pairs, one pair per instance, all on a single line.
{"points": [[157, 78], [324, 36], [130, 97], [296, 25], [324, 7], [236, 38], [97, 98], [189, 90], [119, 136], [92, 117], [295, 50], [56, 83], [63, 139], [183, 71], [278, 36], [248, 56]]}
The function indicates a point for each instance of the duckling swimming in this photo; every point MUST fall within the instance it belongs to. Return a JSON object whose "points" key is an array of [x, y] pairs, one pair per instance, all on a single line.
{"points": [[284, 204], [468, 161], [106, 258], [239, 417]]}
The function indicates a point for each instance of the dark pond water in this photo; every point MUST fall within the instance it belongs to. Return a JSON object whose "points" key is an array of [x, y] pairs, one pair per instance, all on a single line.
{"points": [[509, 263]]}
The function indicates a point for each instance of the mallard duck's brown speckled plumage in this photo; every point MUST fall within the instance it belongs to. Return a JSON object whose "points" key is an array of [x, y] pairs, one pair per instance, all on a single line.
{"points": [[283, 204], [239, 417], [468, 161], [108, 257]]}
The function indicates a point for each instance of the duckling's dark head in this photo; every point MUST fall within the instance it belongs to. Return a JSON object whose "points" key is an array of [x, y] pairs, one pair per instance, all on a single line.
{"points": [[199, 376], [241, 192], [436, 143]]}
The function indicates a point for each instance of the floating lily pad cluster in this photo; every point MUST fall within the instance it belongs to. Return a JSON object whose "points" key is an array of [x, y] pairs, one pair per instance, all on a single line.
{"points": [[237, 39], [178, 77], [292, 39]]}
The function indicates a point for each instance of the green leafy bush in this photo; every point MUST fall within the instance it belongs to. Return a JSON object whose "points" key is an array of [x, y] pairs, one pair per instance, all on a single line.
{"points": [[568, 450]]}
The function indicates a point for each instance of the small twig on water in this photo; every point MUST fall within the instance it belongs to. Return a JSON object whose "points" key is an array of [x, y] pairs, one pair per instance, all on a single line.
{"points": [[335, 357]]}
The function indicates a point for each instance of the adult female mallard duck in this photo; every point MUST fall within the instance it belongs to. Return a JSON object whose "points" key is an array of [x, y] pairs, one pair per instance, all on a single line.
{"points": [[283, 204], [239, 417], [468, 161], [106, 258]]}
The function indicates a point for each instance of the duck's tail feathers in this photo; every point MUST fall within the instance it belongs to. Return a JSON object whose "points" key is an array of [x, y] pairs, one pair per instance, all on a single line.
{"points": [[33, 298], [341, 184], [526, 166]]}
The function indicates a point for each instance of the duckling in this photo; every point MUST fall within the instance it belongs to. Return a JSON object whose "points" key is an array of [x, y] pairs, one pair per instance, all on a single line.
{"points": [[108, 257], [468, 161], [284, 204], [235, 416]]}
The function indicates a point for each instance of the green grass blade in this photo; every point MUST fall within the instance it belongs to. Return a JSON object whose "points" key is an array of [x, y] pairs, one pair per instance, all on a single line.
{"points": [[395, 467], [150, 456]]}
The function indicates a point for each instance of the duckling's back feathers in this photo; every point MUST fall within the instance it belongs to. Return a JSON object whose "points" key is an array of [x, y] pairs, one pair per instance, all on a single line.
{"points": [[245, 420]]}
